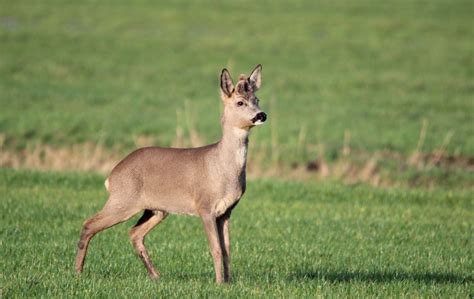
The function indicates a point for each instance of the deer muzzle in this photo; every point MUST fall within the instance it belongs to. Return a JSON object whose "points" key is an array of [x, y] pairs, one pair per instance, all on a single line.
{"points": [[260, 118]]}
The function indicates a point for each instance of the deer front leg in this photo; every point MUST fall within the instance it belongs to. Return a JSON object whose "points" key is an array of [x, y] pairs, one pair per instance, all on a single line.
{"points": [[223, 229], [210, 227]]}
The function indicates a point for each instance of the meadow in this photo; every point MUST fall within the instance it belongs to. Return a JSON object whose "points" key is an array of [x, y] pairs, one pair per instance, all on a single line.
{"points": [[111, 74], [289, 239], [361, 182]]}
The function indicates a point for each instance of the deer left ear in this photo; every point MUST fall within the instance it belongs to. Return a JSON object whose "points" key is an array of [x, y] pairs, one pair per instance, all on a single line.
{"points": [[227, 86], [256, 77]]}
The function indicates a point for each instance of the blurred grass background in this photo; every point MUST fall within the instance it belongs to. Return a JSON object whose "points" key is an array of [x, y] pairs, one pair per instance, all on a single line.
{"points": [[103, 71]]}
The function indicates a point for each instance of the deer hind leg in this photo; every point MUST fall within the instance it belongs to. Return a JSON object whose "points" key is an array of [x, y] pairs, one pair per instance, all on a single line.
{"points": [[137, 235], [109, 216]]}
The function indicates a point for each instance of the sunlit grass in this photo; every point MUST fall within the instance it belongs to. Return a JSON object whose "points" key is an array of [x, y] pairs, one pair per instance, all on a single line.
{"points": [[289, 239]]}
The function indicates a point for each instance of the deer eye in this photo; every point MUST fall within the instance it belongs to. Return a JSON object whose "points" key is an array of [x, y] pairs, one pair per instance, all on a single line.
{"points": [[240, 103]]}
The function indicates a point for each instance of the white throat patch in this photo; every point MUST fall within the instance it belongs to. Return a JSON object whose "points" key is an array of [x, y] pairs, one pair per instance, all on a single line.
{"points": [[241, 155], [241, 152]]}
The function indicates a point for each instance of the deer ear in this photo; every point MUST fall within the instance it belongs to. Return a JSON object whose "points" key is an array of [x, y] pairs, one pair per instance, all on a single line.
{"points": [[256, 77], [227, 86]]}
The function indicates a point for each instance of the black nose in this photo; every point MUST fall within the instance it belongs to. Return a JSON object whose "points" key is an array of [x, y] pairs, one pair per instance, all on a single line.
{"points": [[262, 116]]}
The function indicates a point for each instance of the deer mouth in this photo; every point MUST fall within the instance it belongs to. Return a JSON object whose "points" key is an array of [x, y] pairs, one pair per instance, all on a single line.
{"points": [[260, 118]]}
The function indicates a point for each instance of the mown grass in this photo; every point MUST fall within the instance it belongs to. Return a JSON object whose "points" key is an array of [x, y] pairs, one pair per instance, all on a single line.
{"points": [[289, 240], [111, 71]]}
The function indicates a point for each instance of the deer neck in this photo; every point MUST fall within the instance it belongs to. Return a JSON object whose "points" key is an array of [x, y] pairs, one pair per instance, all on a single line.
{"points": [[233, 147]]}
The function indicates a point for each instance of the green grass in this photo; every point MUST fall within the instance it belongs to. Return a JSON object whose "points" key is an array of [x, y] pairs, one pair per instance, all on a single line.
{"points": [[289, 240], [110, 71]]}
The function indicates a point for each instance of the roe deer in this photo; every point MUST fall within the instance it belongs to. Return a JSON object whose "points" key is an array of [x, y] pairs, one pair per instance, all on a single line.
{"points": [[205, 181]]}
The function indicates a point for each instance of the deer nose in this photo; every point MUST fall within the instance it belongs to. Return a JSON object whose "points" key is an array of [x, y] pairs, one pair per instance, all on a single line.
{"points": [[262, 116]]}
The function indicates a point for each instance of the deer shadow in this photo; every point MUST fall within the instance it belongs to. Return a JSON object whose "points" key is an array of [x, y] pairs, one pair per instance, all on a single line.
{"points": [[341, 276]]}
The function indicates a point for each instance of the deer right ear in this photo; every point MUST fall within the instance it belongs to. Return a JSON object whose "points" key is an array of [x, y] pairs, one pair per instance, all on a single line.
{"points": [[227, 86], [256, 77]]}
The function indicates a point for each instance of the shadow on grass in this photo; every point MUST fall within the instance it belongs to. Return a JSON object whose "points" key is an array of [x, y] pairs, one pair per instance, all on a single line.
{"points": [[299, 275], [333, 277], [348, 276]]}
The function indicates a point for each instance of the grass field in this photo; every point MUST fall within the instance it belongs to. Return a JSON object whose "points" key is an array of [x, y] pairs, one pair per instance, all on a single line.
{"points": [[381, 92], [93, 71], [289, 240]]}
